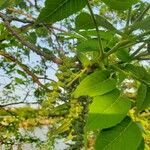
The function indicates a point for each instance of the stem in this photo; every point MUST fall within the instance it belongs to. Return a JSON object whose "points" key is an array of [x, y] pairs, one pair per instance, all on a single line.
{"points": [[28, 44], [117, 46], [125, 42], [24, 67], [142, 14], [138, 50], [129, 74], [78, 76], [141, 55], [97, 30], [128, 18], [143, 34]]}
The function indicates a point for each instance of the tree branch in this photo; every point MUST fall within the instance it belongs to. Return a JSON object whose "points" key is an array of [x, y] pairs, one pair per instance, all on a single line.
{"points": [[17, 103], [26, 43], [24, 68]]}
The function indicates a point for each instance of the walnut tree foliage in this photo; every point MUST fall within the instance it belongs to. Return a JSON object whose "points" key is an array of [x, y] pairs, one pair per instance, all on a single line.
{"points": [[84, 62]]}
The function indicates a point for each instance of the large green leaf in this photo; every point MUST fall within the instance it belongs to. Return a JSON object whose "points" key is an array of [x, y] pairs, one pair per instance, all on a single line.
{"points": [[107, 110], [143, 24], [84, 21], [95, 84], [88, 46], [56, 10], [124, 136], [120, 4]]}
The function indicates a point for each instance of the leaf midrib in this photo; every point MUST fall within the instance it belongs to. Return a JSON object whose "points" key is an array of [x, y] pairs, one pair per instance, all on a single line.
{"points": [[102, 114]]}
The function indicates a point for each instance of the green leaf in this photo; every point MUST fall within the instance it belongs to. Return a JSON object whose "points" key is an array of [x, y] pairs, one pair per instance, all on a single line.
{"points": [[22, 73], [144, 103], [107, 110], [121, 77], [88, 46], [124, 136], [95, 84], [84, 21], [103, 22], [120, 4], [138, 71], [84, 60], [142, 145], [56, 10], [32, 37], [143, 24], [105, 35], [19, 81], [8, 3], [123, 55], [141, 96]]}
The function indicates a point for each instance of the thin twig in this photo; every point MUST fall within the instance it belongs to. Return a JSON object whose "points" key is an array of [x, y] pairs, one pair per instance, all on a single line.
{"points": [[24, 68], [143, 13], [17, 103], [26, 43], [138, 50], [128, 18], [97, 30]]}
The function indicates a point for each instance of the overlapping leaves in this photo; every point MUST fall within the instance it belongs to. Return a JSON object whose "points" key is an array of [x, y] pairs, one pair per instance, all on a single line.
{"points": [[106, 109]]}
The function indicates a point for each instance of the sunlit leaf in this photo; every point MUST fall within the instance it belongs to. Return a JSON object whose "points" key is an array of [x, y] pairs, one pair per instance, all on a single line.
{"points": [[97, 83], [107, 111]]}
